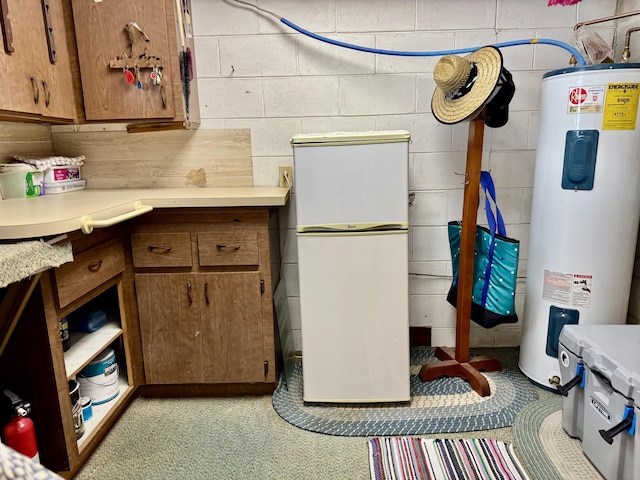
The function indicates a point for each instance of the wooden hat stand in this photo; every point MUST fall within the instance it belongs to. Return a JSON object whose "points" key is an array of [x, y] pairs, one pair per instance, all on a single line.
{"points": [[456, 363]]}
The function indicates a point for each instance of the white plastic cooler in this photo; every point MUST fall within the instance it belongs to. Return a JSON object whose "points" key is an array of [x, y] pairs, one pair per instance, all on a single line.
{"points": [[604, 413]]}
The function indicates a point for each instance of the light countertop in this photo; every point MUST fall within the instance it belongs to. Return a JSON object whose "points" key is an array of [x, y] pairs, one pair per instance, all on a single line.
{"points": [[63, 213]]}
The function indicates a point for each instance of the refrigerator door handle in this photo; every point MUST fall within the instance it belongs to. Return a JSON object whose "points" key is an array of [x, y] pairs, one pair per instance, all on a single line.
{"points": [[353, 227]]}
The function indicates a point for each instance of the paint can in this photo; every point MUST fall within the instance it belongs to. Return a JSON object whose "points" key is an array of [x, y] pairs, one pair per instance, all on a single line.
{"points": [[76, 408], [87, 410], [99, 379]]}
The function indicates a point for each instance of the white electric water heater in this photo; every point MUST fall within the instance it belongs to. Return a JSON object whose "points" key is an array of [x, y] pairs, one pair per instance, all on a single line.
{"points": [[585, 209]]}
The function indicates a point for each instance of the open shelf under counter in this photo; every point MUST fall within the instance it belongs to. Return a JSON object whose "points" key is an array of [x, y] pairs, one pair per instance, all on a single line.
{"points": [[85, 346], [103, 411]]}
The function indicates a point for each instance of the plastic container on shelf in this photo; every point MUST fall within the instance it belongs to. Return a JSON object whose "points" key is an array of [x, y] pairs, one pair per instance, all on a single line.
{"points": [[19, 180], [89, 322], [63, 187]]}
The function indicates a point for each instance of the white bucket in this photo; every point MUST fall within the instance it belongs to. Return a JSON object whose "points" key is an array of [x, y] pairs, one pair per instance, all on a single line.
{"points": [[99, 379]]}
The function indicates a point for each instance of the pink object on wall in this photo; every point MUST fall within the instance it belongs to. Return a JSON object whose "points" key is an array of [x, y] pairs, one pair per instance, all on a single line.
{"points": [[563, 2]]}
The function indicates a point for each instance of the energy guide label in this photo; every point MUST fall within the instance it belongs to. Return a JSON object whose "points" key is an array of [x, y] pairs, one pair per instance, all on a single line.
{"points": [[570, 289]]}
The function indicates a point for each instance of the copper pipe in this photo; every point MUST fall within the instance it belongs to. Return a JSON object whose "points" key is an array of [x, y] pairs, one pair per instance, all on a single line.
{"points": [[605, 19], [572, 60], [626, 54]]}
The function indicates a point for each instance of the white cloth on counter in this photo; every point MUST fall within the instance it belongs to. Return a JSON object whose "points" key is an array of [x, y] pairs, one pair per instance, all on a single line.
{"points": [[52, 161], [24, 259]]}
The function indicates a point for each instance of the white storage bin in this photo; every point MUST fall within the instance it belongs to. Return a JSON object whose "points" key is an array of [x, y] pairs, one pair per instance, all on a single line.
{"points": [[63, 187]]}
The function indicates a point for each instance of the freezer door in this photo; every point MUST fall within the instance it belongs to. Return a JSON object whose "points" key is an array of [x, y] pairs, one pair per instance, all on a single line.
{"points": [[354, 317], [351, 183]]}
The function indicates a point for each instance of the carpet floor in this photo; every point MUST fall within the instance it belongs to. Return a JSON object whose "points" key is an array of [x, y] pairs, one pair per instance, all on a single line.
{"points": [[445, 405], [236, 438], [545, 449]]}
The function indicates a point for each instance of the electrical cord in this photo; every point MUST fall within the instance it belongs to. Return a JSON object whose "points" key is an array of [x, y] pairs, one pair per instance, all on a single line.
{"points": [[528, 41]]}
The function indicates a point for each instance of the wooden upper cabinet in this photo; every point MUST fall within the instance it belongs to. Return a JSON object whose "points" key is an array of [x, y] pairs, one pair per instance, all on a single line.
{"points": [[120, 40], [35, 82]]}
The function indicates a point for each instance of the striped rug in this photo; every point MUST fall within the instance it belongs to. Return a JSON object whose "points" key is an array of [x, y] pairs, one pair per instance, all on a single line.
{"points": [[412, 458]]}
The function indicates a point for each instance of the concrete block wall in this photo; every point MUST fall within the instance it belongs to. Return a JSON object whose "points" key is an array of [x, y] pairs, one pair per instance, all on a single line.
{"points": [[254, 72]]}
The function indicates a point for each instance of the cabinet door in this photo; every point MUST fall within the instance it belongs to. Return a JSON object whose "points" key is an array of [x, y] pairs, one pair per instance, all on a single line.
{"points": [[31, 82], [101, 37], [20, 88], [170, 328], [56, 79], [232, 337]]}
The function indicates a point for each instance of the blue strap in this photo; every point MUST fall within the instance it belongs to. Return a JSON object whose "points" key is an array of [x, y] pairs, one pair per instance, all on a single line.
{"points": [[486, 182], [490, 192]]}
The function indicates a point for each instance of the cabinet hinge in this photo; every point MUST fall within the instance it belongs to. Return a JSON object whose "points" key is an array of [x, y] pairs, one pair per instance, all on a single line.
{"points": [[261, 287], [266, 367]]}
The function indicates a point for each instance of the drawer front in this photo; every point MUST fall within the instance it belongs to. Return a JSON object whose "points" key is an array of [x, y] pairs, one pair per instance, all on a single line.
{"points": [[161, 249], [228, 248], [89, 270]]}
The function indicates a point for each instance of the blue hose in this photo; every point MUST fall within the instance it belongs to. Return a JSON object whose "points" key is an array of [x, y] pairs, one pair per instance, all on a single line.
{"points": [[435, 53]]}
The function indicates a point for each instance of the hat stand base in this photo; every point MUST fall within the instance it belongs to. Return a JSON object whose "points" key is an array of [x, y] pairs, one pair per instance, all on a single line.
{"points": [[456, 363]]}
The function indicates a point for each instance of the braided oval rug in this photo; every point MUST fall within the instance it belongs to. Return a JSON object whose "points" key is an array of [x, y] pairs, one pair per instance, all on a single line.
{"points": [[446, 405]]}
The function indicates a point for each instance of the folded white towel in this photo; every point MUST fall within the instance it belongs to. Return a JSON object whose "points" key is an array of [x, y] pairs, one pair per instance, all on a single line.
{"points": [[52, 161]]}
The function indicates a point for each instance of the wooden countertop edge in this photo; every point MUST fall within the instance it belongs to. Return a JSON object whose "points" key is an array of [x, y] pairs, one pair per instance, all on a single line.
{"points": [[58, 214]]}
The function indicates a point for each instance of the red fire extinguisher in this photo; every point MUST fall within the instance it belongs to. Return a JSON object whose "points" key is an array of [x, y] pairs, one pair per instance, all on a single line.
{"points": [[19, 433]]}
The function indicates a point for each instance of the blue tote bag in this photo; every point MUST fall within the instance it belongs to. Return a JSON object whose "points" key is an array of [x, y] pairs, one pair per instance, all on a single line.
{"points": [[495, 265]]}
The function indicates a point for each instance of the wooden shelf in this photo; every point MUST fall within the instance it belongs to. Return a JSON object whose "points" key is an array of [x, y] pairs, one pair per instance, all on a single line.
{"points": [[102, 412], [85, 346]]}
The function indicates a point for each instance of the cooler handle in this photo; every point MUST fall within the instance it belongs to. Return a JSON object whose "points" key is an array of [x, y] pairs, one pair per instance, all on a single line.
{"points": [[578, 379], [628, 423]]}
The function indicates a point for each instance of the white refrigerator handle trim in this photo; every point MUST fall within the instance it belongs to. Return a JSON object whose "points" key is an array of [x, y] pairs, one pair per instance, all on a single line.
{"points": [[364, 227]]}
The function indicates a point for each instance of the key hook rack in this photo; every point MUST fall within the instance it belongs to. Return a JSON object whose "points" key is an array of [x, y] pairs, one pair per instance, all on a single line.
{"points": [[137, 56]]}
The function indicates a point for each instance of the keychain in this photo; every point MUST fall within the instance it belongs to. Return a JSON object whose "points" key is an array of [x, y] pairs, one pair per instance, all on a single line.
{"points": [[128, 76], [156, 76], [138, 81]]}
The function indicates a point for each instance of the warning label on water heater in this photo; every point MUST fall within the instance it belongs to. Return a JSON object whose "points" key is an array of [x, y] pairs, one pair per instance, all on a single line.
{"points": [[567, 288], [621, 106], [586, 99]]}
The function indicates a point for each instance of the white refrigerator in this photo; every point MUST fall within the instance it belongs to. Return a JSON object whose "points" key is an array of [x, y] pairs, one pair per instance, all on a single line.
{"points": [[352, 226]]}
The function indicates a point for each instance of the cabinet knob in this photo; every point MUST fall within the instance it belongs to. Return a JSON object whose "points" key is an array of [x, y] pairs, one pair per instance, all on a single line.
{"points": [[206, 292], [189, 293]]}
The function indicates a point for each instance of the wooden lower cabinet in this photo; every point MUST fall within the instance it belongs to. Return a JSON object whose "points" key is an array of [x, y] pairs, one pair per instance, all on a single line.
{"points": [[204, 282], [94, 282], [188, 296], [201, 327]]}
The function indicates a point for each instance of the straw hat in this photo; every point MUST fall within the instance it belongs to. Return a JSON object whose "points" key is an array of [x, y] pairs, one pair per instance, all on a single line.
{"points": [[464, 84]]}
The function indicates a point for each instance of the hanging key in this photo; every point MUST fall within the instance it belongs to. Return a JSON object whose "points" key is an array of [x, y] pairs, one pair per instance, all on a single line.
{"points": [[156, 76], [138, 81]]}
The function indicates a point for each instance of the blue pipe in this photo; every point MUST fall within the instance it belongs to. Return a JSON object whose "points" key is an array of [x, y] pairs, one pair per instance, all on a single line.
{"points": [[435, 53]]}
